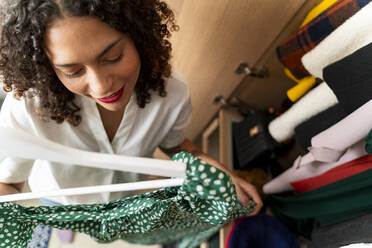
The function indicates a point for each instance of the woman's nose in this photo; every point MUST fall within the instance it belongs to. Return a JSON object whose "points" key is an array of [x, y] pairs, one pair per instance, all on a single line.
{"points": [[99, 84]]}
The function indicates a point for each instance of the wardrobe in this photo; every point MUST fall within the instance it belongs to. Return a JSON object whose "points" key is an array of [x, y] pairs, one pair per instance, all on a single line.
{"points": [[220, 48]]}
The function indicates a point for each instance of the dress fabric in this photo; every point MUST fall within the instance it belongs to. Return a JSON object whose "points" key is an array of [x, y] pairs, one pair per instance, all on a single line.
{"points": [[140, 132], [193, 212]]}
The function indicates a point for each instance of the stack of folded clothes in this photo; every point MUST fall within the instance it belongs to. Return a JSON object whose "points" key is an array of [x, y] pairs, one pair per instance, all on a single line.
{"points": [[329, 186]]}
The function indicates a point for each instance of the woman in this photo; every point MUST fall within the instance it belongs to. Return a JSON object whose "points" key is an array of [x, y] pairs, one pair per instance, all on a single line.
{"points": [[93, 75]]}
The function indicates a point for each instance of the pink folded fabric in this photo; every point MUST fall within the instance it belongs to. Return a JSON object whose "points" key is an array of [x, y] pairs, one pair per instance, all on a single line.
{"points": [[302, 170], [348, 169], [65, 236], [336, 145]]}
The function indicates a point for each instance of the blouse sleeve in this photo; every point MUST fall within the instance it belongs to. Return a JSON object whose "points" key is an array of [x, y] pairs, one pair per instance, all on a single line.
{"points": [[175, 136], [14, 114]]}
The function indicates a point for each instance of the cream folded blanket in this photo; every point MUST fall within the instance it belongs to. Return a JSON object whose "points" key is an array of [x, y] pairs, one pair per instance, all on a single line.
{"points": [[314, 102], [353, 34]]}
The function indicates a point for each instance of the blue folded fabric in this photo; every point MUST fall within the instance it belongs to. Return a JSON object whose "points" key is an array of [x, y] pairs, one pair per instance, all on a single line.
{"points": [[41, 234], [261, 231], [40, 237]]}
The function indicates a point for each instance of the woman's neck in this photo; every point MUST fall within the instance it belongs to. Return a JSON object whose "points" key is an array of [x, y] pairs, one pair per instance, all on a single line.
{"points": [[111, 120]]}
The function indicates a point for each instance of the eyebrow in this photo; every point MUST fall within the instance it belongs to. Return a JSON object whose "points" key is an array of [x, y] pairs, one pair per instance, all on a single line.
{"points": [[101, 54]]}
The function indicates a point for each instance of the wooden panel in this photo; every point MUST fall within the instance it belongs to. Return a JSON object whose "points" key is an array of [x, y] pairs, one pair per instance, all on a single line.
{"points": [[226, 117], [223, 123], [207, 133], [175, 5], [214, 37]]}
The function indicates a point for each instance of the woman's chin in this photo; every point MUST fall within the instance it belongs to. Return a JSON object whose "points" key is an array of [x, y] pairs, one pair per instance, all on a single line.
{"points": [[113, 106]]}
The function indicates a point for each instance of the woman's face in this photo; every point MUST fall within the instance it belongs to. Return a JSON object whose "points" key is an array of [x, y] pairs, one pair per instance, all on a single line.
{"points": [[93, 60]]}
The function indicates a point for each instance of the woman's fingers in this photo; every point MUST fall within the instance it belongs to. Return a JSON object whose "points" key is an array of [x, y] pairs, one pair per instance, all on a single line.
{"points": [[243, 197], [247, 191]]}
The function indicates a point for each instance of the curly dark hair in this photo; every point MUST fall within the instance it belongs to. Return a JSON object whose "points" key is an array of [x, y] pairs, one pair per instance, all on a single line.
{"points": [[27, 71]]}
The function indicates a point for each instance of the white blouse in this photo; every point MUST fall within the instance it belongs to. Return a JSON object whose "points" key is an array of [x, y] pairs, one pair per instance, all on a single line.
{"points": [[140, 132]]}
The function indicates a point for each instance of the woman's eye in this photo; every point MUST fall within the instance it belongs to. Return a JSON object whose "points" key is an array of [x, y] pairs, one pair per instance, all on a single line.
{"points": [[73, 75], [117, 59]]}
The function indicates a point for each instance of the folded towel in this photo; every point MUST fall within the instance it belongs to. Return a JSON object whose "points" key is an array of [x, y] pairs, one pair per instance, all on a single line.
{"points": [[354, 33], [314, 102], [291, 50]]}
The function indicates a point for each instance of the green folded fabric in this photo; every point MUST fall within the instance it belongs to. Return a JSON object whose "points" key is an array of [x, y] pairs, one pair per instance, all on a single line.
{"points": [[192, 212], [327, 205], [369, 142]]}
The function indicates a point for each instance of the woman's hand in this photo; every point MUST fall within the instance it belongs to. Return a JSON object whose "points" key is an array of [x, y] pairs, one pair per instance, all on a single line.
{"points": [[245, 192]]}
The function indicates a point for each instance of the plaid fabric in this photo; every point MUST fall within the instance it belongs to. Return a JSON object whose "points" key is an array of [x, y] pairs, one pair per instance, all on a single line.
{"points": [[291, 50]]}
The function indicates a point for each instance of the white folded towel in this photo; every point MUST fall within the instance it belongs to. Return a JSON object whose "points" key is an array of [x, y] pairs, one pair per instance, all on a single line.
{"points": [[314, 102], [353, 34]]}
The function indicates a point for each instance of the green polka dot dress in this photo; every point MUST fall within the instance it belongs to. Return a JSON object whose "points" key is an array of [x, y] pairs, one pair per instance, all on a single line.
{"points": [[191, 212]]}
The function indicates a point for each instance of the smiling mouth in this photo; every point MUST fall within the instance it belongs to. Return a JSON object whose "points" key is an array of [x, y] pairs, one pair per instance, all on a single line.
{"points": [[114, 97]]}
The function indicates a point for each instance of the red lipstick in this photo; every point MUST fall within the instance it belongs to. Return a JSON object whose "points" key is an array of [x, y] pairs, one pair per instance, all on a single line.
{"points": [[114, 97]]}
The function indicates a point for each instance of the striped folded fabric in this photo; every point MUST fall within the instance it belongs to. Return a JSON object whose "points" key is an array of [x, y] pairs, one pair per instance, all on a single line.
{"points": [[291, 50]]}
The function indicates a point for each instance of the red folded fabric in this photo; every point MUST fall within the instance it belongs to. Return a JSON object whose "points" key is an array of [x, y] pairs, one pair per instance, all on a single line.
{"points": [[348, 169]]}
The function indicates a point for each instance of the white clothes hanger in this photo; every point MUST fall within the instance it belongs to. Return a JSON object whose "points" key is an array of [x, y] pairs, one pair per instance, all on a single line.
{"points": [[18, 143], [153, 184]]}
